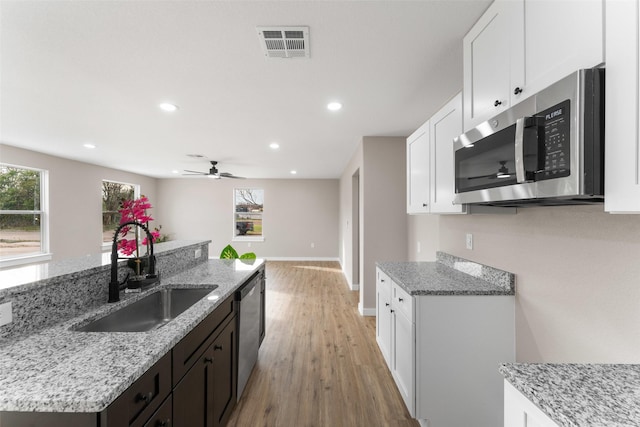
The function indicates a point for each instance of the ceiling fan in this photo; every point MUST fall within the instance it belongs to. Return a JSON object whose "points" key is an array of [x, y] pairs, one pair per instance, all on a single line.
{"points": [[213, 172]]}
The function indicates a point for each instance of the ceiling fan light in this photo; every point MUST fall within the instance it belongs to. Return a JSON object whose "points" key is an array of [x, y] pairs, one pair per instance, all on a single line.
{"points": [[334, 106]]}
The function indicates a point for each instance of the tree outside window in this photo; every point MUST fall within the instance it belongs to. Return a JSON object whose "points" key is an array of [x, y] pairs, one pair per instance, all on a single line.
{"points": [[113, 193], [248, 211], [23, 229]]}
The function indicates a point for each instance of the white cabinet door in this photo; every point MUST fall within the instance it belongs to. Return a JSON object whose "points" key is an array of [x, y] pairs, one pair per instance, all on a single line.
{"points": [[521, 412], [557, 43], [383, 315], [622, 149], [418, 171], [403, 358], [445, 125], [493, 61]]}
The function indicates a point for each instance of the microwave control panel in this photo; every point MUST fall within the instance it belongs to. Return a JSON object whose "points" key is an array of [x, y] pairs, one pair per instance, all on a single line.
{"points": [[555, 142]]}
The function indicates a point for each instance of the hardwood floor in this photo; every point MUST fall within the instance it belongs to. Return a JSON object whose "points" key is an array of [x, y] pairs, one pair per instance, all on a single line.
{"points": [[319, 364]]}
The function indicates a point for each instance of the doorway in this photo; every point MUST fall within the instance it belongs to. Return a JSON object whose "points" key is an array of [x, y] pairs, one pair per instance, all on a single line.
{"points": [[355, 230]]}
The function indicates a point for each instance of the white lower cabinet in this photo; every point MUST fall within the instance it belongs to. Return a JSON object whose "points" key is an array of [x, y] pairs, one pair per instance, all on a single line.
{"points": [[444, 352], [521, 412]]}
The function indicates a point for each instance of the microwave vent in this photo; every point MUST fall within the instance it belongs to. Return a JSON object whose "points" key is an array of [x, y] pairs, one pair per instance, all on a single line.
{"points": [[284, 42]]}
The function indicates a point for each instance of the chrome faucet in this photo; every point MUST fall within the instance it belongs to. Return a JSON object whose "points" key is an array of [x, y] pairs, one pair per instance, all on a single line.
{"points": [[115, 286]]}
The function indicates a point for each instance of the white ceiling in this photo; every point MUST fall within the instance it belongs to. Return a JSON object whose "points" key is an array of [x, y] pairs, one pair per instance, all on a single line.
{"points": [[74, 72]]}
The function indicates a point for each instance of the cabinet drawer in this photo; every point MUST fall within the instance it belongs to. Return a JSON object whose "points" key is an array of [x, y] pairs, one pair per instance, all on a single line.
{"points": [[383, 282], [135, 406], [402, 301], [187, 351], [163, 416]]}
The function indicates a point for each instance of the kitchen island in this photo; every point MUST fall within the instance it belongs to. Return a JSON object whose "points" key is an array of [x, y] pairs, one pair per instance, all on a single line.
{"points": [[60, 370]]}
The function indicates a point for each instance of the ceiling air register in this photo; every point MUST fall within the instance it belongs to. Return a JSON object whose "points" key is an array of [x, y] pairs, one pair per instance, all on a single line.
{"points": [[284, 42]]}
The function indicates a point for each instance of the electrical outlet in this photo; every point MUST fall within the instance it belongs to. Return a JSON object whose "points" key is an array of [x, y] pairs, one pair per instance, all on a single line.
{"points": [[469, 241], [6, 316], [198, 253], [313, 245], [248, 244], [419, 248]]}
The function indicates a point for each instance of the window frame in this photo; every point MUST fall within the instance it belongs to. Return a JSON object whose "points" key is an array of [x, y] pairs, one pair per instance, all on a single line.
{"points": [[106, 246], [44, 254], [245, 238]]}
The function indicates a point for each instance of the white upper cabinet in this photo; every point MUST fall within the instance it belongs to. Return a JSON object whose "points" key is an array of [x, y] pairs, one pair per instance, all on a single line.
{"points": [[561, 36], [493, 61], [445, 125], [418, 171], [519, 47], [622, 118]]}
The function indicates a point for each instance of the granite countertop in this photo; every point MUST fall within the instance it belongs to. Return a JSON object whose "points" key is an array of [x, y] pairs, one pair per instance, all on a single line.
{"points": [[580, 395], [449, 275], [60, 370]]}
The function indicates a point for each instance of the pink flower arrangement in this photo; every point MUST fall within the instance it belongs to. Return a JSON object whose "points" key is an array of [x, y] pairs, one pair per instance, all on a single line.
{"points": [[134, 210]]}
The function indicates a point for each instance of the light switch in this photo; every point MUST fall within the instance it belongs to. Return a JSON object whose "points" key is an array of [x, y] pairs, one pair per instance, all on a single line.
{"points": [[469, 241]]}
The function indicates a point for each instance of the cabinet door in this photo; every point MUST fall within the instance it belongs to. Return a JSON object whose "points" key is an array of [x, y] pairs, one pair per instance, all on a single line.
{"points": [[403, 358], [223, 379], [418, 171], [622, 151], [206, 395], [445, 125], [191, 397], [493, 54], [521, 412], [558, 42], [383, 315]]}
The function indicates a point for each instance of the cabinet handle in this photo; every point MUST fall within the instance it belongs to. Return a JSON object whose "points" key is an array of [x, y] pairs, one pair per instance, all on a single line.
{"points": [[517, 91], [382, 280], [393, 311], [208, 360], [146, 398], [424, 205], [498, 102], [400, 299], [217, 347], [165, 423], [386, 304]]}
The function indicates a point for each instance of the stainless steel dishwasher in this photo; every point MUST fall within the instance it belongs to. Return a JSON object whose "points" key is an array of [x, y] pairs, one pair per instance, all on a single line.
{"points": [[248, 298]]}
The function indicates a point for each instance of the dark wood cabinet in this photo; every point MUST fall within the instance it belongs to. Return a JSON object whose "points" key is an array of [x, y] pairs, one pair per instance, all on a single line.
{"points": [[193, 385], [206, 395]]}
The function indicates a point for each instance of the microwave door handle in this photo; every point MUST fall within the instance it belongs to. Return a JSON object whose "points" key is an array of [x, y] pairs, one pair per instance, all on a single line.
{"points": [[519, 147]]}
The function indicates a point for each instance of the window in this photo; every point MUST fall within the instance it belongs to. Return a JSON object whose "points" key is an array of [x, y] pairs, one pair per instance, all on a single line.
{"points": [[24, 235], [248, 210], [112, 194]]}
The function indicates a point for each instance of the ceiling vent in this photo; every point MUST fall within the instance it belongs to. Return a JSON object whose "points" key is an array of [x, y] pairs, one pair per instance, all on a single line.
{"points": [[284, 42]]}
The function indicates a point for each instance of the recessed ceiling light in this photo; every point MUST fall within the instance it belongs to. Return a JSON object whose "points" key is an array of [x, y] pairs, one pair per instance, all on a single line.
{"points": [[89, 145], [274, 145], [334, 106], [293, 172], [175, 171], [170, 108]]}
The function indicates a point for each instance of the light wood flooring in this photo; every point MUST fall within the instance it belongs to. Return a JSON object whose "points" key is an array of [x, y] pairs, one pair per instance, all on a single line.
{"points": [[319, 364]]}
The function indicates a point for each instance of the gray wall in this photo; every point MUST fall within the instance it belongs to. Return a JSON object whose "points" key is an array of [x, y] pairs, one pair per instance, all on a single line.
{"points": [[577, 277], [381, 162], [75, 199], [297, 213]]}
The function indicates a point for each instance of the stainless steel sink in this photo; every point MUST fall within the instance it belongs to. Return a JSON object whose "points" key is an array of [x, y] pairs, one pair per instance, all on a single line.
{"points": [[150, 312]]}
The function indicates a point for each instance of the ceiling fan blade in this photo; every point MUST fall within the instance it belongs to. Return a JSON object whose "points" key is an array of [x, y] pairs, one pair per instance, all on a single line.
{"points": [[228, 175], [194, 173]]}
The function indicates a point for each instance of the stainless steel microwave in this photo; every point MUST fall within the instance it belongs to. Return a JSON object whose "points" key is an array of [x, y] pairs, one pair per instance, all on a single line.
{"points": [[546, 150]]}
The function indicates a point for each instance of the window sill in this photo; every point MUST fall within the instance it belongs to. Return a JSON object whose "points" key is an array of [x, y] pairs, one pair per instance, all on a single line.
{"points": [[27, 259], [248, 239]]}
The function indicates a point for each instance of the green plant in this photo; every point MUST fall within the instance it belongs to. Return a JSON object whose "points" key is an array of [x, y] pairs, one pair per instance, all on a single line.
{"points": [[230, 253]]}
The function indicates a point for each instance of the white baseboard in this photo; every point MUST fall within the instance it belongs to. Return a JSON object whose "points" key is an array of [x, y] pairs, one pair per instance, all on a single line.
{"points": [[277, 258], [366, 311]]}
